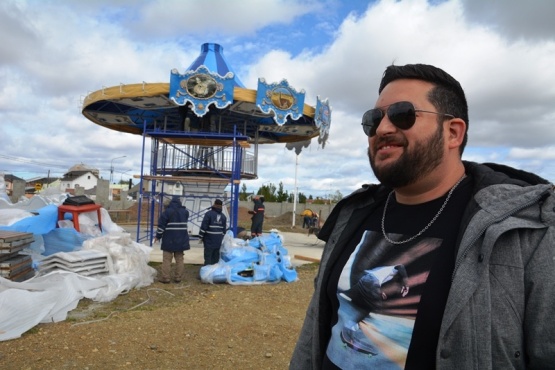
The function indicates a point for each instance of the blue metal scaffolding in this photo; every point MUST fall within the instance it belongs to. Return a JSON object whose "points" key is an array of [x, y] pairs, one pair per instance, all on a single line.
{"points": [[199, 168]]}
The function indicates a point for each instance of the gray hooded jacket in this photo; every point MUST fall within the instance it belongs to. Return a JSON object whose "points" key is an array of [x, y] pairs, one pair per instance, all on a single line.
{"points": [[500, 313]]}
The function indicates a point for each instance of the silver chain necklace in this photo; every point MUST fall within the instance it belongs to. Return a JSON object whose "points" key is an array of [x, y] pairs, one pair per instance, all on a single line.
{"points": [[429, 223]]}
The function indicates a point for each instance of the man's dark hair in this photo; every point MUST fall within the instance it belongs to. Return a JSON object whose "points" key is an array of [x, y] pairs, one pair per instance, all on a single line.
{"points": [[447, 96]]}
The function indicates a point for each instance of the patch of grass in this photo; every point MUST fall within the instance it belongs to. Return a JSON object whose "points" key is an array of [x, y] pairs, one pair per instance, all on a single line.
{"points": [[33, 330]]}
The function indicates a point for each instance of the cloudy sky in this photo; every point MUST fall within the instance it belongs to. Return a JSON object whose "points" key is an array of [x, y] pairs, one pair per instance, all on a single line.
{"points": [[54, 53]]}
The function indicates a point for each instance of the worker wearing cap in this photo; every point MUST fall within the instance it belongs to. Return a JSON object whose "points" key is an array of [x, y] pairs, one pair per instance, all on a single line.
{"points": [[212, 231]]}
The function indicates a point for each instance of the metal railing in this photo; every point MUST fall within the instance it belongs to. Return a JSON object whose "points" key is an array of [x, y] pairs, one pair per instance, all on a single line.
{"points": [[191, 158]]}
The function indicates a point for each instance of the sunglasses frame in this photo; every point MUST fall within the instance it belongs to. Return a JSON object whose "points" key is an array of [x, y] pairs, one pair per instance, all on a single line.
{"points": [[403, 120]]}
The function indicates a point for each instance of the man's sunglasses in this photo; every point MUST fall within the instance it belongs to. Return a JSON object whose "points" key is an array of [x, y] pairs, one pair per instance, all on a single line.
{"points": [[402, 114]]}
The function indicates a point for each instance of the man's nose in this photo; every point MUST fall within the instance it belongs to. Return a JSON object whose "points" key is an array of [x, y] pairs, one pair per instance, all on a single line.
{"points": [[385, 126]]}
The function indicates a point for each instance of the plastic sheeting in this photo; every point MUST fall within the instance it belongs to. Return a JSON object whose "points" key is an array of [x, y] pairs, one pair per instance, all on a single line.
{"points": [[262, 260], [41, 221], [50, 239], [50, 295], [48, 298]]}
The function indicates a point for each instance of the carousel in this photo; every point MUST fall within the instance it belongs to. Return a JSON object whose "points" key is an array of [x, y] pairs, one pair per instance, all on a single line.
{"points": [[204, 128]]}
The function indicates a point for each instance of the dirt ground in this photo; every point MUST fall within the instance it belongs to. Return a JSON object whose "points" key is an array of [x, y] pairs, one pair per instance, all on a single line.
{"points": [[189, 325]]}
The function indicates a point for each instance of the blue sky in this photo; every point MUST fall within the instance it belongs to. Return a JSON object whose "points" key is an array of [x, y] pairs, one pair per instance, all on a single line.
{"points": [[54, 53]]}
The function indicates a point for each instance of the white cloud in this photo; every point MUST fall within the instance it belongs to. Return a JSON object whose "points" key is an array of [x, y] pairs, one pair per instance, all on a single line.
{"points": [[547, 153], [56, 53], [214, 17], [512, 18]]}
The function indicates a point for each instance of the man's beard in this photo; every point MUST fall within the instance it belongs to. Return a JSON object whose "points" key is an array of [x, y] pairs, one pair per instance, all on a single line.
{"points": [[414, 164]]}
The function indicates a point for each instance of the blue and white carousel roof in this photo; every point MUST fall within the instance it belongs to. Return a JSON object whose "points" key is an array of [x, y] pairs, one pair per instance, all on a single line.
{"points": [[209, 98], [212, 57]]}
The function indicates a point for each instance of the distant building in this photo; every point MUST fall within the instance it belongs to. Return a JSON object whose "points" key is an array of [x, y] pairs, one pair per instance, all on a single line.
{"points": [[15, 187], [79, 175], [175, 188], [36, 184]]}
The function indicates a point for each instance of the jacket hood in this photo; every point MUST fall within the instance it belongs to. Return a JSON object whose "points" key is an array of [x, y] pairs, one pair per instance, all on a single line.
{"points": [[492, 173], [175, 203]]}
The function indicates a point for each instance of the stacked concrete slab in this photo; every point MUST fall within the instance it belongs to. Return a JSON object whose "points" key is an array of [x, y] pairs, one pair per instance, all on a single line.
{"points": [[14, 265]]}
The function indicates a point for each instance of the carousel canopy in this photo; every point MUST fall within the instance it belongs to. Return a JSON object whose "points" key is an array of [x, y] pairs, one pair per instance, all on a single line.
{"points": [[207, 102]]}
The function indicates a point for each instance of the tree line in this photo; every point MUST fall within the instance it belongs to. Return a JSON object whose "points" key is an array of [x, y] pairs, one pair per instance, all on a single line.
{"points": [[273, 193]]}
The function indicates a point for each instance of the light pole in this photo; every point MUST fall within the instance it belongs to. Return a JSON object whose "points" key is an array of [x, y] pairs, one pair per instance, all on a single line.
{"points": [[110, 195], [296, 192], [121, 177], [112, 167]]}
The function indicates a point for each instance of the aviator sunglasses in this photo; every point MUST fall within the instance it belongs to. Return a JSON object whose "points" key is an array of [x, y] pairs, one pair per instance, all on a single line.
{"points": [[402, 114]]}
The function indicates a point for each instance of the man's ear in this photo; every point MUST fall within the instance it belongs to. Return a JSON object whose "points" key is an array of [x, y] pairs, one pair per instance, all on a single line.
{"points": [[456, 129]]}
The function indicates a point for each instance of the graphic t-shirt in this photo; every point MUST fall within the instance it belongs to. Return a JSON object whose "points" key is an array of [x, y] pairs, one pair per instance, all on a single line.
{"points": [[389, 298]]}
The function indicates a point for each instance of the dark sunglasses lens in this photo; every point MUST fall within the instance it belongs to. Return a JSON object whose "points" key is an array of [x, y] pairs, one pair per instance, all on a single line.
{"points": [[370, 121], [402, 114]]}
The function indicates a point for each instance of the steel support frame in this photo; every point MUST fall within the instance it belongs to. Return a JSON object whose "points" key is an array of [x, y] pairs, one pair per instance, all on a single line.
{"points": [[153, 197]]}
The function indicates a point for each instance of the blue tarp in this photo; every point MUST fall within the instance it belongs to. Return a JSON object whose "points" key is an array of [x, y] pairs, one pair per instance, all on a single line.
{"points": [[258, 261], [63, 240], [43, 222], [48, 238]]}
